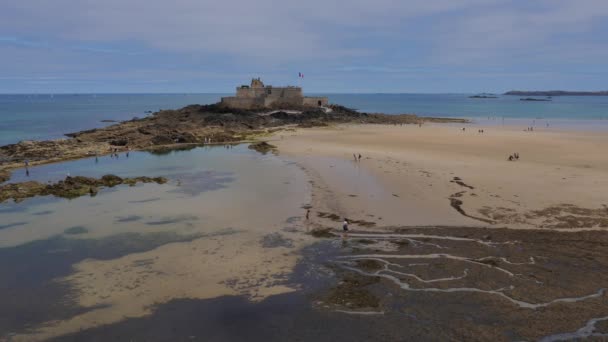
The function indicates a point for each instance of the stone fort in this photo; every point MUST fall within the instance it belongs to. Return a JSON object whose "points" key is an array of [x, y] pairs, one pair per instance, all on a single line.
{"points": [[257, 95]]}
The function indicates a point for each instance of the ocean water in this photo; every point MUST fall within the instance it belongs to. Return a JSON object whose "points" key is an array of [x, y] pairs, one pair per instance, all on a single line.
{"points": [[27, 117], [37, 117]]}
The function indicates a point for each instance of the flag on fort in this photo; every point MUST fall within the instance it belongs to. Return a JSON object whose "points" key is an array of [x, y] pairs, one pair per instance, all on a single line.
{"points": [[300, 75]]}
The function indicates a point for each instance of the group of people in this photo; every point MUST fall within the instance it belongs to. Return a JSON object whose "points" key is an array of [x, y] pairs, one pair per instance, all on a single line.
{"points": [[114, 152], [480, 131], [529, 129], [514, 157], [357, 157]]}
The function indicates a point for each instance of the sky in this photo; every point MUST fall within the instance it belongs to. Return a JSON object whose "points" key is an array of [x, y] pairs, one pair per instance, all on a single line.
{"points": [[350, 46]]}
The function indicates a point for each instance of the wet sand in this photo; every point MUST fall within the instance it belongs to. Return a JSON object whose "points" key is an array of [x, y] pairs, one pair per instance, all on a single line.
{"points": [[227, 223], [426, 257], [424, 284], [432, 175], [478, 284]]}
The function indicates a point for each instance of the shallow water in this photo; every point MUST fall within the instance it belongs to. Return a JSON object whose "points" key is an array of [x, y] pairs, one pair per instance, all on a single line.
{"points": [[235, 195], [206, 185]]}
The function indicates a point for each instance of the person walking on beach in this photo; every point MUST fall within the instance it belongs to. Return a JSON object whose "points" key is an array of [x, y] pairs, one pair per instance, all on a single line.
{"points": [[355, 156], [359, 156], [307, 214], [345, 227]]}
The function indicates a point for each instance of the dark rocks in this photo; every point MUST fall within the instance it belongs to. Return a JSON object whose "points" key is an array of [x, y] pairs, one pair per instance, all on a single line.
{"points": [[488, 96], [370, 265], [119, 142], [71, 187], [352, 293], [190, 125], [4, 176], [262, 147], [162, 140], [534, 99], [322, 233], [557, 93]]}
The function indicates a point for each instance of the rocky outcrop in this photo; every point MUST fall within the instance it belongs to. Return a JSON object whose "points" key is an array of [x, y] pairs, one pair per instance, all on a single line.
{"points": [[534, 99], [70, 187], [4, 176], [262, 147], [194, 124], [556, 93]]}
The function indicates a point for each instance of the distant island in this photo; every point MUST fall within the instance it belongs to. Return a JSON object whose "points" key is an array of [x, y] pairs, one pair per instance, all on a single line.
{"points": [[484, 96], [556, 93], [533, 99]]}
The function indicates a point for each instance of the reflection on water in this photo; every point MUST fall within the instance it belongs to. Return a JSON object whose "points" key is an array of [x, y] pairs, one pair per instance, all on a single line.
{"points": [[209, 189], [168, 164], [217, 181], [29, 295]]}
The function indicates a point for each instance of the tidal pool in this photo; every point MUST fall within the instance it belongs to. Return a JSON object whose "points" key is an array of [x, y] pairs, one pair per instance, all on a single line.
{"points": [[97, 260]]}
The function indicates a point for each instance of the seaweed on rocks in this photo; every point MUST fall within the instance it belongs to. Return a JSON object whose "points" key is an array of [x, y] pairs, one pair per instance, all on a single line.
{"points": [[263, 147], [322, 233], [70, 187]]}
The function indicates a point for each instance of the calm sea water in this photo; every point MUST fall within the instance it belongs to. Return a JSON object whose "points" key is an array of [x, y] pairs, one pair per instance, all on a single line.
{"points": [[25, 117]]}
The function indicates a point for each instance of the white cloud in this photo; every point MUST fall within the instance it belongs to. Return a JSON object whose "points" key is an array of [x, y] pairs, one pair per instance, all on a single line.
{"points": [[162, 40], [263, 28]]}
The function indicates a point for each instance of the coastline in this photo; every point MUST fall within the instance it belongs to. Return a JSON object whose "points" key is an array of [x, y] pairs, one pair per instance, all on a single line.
{"points": [[427, 194], [188, 126]]}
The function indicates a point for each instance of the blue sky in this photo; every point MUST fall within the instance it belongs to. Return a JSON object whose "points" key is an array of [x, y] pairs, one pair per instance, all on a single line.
{"points": [[430, 46]]}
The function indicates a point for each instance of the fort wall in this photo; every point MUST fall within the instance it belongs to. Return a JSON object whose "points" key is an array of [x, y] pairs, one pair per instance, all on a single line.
{"points": [[315, 101], [257, 95]]}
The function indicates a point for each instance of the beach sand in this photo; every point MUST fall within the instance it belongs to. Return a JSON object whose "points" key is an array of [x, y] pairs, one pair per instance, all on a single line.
{"points": [[408, 176], [411, 176]]}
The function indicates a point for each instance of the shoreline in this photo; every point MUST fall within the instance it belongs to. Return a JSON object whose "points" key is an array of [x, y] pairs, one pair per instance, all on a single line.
{"points": [[191, 125], [411, 174], [407, 176]]}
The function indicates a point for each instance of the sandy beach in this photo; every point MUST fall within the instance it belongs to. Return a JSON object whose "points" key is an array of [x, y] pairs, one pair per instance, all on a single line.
{"points": [[303, 171], [409, 175], [436, 214]]}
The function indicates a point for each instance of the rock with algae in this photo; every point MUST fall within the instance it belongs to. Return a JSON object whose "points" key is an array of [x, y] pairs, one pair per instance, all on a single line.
{"points": [[70, 187], [262, 147]]}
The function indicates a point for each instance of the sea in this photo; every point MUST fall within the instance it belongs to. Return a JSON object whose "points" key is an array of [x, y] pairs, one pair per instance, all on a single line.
{"points": [[48, 116], [179, 247]]}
